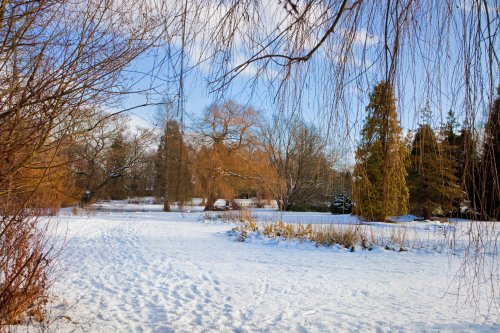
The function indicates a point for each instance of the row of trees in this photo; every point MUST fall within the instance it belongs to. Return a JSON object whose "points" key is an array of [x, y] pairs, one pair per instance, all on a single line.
{"points": [[431, 172], [228, 153], [234, 154]]}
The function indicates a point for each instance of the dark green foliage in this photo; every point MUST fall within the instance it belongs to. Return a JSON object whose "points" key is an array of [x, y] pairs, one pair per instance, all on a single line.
{"points": [[432, 176], [341, 205], [304, 207], [490, 164], [173, 173], [450, 136], [461, 149], [116, 163], [380, 187], [467, 159]]}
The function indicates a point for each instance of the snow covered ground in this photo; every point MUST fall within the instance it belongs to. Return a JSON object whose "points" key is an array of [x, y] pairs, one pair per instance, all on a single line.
{"points": [[149, 271]]}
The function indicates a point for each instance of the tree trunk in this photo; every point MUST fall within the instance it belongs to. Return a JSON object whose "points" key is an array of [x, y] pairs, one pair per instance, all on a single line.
{"points": [[210, 202], [282, 206], [166, 203]]}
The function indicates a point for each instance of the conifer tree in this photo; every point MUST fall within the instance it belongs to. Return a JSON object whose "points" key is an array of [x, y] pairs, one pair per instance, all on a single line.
{"points": [[380, 187], [116, 163], [173, 175], [468, 165], [490, 189], [432, 176], [461, 149], [449, 132]]}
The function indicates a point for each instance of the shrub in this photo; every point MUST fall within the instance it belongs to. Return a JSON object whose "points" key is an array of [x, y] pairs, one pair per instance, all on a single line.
{"points": [[305, 207], [341, 205], [25, 256]]}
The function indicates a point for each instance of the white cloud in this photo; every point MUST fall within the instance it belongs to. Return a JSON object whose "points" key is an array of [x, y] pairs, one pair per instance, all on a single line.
{"points": [[364, 38], [136, 121]]}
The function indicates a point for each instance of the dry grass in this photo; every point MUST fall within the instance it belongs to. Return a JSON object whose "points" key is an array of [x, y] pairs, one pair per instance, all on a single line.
{"points": [[323, 235], [83, 211], [240, 215], [393, 237]]}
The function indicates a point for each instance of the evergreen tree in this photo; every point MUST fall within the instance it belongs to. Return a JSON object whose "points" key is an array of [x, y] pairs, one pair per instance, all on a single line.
{"points": [[432, 176], [116, 164], [380, 187], [490, 168], [468, 165], [449, 133], [461, 149], [450, 150], [173, 174]]}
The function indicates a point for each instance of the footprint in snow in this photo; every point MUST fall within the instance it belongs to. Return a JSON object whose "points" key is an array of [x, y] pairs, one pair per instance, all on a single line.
{"points": [[310, 312], [189, 296], [195, 290]]}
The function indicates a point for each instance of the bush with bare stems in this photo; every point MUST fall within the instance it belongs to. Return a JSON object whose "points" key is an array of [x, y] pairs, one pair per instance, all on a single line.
{"points": [[58, 60]]}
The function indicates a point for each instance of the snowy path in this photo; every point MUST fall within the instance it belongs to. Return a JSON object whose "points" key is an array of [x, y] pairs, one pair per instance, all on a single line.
{"points": [[157, 272]]}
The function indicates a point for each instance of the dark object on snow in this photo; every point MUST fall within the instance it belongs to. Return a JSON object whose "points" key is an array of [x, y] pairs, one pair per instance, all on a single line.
{"points": [[341, 205], [85, 199], [305, 207]]}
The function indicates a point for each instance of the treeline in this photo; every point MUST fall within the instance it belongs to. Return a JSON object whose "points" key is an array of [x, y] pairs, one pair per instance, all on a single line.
{"points": [[227, 153], [232, 151], [433, 171]]}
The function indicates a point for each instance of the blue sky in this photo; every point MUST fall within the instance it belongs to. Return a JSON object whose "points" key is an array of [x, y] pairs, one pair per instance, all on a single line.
{"points": [[427, 75]]}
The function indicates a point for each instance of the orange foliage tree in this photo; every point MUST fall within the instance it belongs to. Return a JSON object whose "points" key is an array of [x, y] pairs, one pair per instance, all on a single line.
{"points": [[228, 161]]}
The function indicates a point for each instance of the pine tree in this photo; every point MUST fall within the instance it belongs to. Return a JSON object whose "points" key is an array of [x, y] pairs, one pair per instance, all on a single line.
{"points": [[380, 187], [432, 176], [490, 168]]}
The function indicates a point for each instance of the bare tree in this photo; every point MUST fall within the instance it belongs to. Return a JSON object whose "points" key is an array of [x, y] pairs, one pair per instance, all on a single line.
{"points": [[303, 162], [104, 158], [58, 59]]}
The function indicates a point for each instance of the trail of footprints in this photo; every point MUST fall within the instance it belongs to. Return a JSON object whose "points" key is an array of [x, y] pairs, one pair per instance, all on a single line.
{"points": [[150, 287], [138, 284]]}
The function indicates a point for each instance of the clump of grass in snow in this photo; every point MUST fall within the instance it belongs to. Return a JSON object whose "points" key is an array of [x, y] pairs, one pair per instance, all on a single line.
{"points": [[247, 225], [399, 237], [322, 235], [240, 215], [347, 235], [394, 237]]}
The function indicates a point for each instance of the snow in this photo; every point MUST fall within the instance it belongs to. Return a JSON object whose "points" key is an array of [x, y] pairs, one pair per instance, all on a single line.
{"points": [[272, 215], [127, 206], [220, 203], [150, 271]]}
